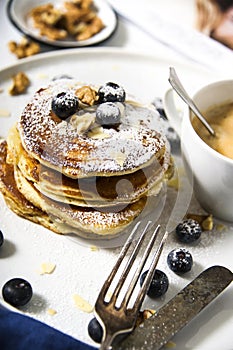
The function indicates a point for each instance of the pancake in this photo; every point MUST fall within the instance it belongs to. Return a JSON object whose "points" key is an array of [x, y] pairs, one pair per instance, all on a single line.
{"points": [[78, 173], [58, 145], [14, 198], [91, 191], [104, 222], [56, 216]]}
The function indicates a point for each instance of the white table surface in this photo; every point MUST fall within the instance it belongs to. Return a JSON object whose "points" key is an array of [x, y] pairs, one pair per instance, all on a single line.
{"points": [[132, 34], [153, 26], [127, 36]]}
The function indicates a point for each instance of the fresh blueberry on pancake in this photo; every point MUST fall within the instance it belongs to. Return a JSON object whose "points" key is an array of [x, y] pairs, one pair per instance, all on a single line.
{"points": [[108, 113], [64, 104], [111, 92]]}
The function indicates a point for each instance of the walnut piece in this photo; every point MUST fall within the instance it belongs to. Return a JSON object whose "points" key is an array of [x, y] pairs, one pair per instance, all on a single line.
{"points": [[47, 19], [86, 95], [91, 29], [77, 19], [144, 315], [23, 49], [20, 84]]}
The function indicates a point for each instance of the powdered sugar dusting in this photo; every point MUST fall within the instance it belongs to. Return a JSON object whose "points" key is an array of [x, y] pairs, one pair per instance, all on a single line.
{"points": [[55, 142]]}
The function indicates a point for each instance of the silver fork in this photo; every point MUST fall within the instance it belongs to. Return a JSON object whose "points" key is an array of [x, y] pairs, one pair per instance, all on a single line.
{"points": [[119, 319]]}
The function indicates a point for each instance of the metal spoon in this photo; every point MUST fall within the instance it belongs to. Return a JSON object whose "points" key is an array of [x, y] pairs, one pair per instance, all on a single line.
{"points": [[178, 87]]}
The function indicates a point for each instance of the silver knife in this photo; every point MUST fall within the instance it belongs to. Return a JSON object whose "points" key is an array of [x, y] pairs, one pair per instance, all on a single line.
{"points": [[179, 311]]}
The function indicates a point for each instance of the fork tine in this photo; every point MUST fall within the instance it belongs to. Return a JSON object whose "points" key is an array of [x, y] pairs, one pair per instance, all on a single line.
{"points": [[122, 254], [149, 276], [137, 274], [129, 263]]}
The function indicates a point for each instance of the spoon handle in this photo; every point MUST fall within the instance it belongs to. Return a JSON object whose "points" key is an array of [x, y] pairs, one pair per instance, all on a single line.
{"points": [[178, 87]]}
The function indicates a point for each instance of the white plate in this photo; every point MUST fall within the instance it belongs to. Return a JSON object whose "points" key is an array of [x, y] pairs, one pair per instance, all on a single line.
{"points": [[79, 270], [18, 10]]}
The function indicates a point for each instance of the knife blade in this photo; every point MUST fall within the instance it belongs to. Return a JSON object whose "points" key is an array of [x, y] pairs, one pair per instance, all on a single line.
{"points": [[156, 331]]}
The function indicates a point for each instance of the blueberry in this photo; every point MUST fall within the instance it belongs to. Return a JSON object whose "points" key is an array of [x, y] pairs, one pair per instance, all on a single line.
{"points": [[180, 260], [158, 103], [65, 104], [95, 330], [188, 231], [17, 292], [111, 92], [108, 113], [1, 238], [62, 76], [159, 284]]}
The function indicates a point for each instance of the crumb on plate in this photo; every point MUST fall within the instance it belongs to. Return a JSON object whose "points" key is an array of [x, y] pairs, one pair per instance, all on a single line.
{"points": [[24, 48], [20, 84], [51, 312], [82, 304], [47, 268]]}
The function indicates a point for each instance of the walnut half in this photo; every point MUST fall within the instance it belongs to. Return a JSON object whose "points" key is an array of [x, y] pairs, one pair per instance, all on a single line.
{"points": [[20, 84], [23, 49], [86, 95]]}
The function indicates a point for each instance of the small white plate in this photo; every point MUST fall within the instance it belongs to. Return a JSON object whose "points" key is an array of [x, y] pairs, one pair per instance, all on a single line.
{"points": [[18, 13]]}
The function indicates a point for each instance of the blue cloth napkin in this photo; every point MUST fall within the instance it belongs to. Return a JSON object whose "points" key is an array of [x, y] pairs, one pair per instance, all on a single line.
{"points": [[20, 332]]}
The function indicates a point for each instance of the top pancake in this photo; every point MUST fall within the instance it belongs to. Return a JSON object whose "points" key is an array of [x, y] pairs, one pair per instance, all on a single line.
{"points": [[60, 145]]}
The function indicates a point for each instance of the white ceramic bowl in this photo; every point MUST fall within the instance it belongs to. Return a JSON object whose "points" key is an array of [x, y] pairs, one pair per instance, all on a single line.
{"points": [[210, 171]]}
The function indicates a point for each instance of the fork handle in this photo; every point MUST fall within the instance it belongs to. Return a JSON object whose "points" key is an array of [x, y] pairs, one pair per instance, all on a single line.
{"points": [[107, 341]]}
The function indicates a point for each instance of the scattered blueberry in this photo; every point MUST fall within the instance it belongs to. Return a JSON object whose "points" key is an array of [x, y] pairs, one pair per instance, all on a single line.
{"points": [[158, 103], [65, 104], [62, 76], [108, 113], [17, 292], [95, 330], [1, 238], [159, 284], [111, 92], [188, 231], [180, 260]]}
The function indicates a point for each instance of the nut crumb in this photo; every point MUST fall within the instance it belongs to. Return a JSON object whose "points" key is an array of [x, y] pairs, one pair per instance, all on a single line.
{"points": [[4, 113], [208, 224], [20, 84], [42, 76], [98, 133], [82, 123], [23, 49], [82, 304], [51, 312], [220, 227], [170, 345], [144, 315], [94, 248], [47, 268]]}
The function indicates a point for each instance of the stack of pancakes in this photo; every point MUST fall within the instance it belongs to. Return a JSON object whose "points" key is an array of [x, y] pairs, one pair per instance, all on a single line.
{"points": [[77, 176]]}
